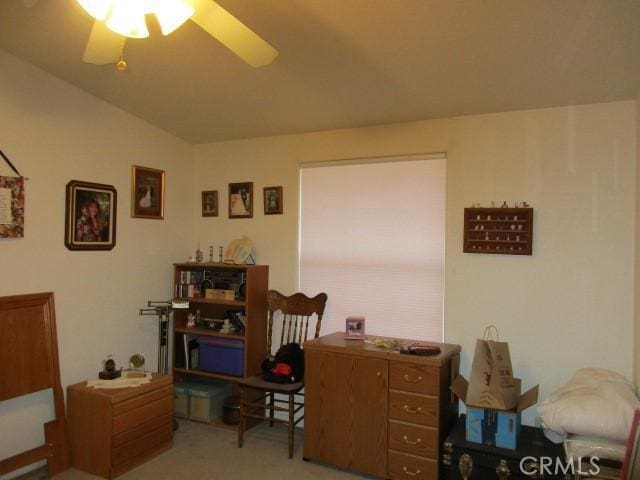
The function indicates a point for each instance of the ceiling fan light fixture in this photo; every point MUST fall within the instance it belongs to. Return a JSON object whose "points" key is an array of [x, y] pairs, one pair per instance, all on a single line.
{"points": [[127, 18], [98, 9], [171, 14]]}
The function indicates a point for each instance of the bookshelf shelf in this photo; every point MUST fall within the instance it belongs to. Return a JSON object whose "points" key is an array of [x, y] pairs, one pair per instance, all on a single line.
{"points": [[207, 332]]}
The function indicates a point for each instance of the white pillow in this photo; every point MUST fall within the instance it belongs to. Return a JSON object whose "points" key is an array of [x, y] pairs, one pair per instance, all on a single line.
{"points": [[594, 402]]}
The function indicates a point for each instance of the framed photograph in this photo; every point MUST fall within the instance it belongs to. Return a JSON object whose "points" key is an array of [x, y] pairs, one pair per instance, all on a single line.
{"points": [[272, 200], [241, 200], [90, 218], [354, 328], [147, 193], [210, 203]]}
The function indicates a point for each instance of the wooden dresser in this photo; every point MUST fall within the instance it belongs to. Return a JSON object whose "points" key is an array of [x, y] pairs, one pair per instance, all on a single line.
{"points": [[377, 411], [112, 431]]}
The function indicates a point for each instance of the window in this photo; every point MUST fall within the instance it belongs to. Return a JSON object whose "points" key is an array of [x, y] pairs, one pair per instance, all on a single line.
{"points": [[372, 238]]}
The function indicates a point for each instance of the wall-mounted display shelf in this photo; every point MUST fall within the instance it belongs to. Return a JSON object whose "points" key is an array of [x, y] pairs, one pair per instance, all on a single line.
{"points": [[504, 231]]}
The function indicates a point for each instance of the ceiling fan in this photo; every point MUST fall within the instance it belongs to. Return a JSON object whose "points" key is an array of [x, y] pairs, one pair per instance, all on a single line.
{"points": [[118, 19]]}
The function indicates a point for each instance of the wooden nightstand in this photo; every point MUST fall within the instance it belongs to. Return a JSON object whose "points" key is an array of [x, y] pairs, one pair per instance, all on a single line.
{"points": [[112, 431]]}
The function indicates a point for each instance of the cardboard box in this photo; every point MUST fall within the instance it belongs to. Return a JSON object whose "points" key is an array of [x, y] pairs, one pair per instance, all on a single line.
{"points": [[217, 294], [492, 426]]}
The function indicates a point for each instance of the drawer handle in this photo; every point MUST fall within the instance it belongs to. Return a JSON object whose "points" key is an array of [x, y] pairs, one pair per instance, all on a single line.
{"points": [[411, 442], [408, 409], [412, 474], [412, 380]]}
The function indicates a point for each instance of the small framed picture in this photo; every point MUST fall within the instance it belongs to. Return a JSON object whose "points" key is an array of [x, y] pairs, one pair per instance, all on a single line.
{"points": [[241, 200], [210, 203], [354, 328], [272, 200], [90, 217], [147, 193]]}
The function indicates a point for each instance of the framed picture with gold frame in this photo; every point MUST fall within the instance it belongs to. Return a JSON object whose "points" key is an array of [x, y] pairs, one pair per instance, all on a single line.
{"points": [[90, 218], [147, 193]]}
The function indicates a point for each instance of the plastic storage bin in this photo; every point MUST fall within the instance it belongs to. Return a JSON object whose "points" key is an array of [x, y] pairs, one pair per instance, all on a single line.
{"points": [[205, 400], [181, 400], [221, 355]]}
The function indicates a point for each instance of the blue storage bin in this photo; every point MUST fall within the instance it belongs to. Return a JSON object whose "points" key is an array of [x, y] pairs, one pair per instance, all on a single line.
{"points": [[221, 355]]}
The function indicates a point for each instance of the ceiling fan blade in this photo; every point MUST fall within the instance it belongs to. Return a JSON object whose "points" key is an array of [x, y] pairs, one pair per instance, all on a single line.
{"points": [[232, 33], [104, 46]]}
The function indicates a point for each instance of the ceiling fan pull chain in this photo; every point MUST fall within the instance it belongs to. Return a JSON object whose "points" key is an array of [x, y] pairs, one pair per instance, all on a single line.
{"points": [[121, 65]]}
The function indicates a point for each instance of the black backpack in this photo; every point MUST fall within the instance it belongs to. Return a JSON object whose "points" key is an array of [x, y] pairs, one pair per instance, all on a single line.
{"points": [[290, 354]]}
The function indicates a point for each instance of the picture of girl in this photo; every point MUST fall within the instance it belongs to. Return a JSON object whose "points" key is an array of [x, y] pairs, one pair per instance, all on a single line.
{"points": [[90, 219], [90, 226]]}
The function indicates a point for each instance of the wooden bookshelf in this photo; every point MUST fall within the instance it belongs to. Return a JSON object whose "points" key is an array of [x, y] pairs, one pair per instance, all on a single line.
{"points": [[250, 283]]}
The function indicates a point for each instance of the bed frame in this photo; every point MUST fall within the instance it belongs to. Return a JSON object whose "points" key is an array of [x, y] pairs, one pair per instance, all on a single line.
{"points": [[29, 363]]}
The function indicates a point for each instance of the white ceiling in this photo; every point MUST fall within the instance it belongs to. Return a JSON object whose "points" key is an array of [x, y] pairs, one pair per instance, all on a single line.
{"points": [[348, 63]]}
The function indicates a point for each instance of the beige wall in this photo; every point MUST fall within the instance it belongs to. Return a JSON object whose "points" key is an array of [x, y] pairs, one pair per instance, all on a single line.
{"points": [[54, 133], [568, 306]]}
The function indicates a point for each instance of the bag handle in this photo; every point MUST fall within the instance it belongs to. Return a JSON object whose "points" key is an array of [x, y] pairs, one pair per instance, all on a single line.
{"points": [[9, 163], [489, 333]]}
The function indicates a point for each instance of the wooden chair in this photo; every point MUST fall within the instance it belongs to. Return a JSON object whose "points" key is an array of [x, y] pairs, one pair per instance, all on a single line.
{"points": [[297, 315]]}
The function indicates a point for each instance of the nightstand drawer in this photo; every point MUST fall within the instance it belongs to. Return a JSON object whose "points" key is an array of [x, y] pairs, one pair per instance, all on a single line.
{"points": [[140, 430], [413, 377], [142, 445], [146, 413], [413, 439], [413, 408], [142, 400], [403, 466]]}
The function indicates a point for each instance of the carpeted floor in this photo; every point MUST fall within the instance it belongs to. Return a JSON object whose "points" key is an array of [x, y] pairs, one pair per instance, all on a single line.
{"points": [[202, 452]]}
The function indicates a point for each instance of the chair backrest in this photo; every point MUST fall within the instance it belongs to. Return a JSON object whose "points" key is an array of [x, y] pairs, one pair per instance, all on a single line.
{"points": [[297, 315]]}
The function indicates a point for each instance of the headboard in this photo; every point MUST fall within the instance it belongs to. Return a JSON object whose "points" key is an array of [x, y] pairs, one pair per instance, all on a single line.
{"points": [[29, 363]]}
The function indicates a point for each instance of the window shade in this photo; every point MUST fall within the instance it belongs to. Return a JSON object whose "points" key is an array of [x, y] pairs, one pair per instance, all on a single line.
{"points": [[372, 238]]}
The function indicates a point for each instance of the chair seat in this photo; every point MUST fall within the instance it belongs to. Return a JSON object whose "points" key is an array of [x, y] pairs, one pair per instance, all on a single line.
{"points": [[259, 383]]}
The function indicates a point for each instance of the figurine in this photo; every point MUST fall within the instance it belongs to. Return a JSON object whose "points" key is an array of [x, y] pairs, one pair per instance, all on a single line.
{"points": [[220, 254], [109, 371], [504, 204], [210, 253], [191, 320], [199, 255]]}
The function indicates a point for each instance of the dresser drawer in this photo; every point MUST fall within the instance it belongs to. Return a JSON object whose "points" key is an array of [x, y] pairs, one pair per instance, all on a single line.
{"points": [[140, 430], [413, 408], [141, 445], [143, 414], [413, 377], [142, 400], [413, 439], [410, 467]]}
